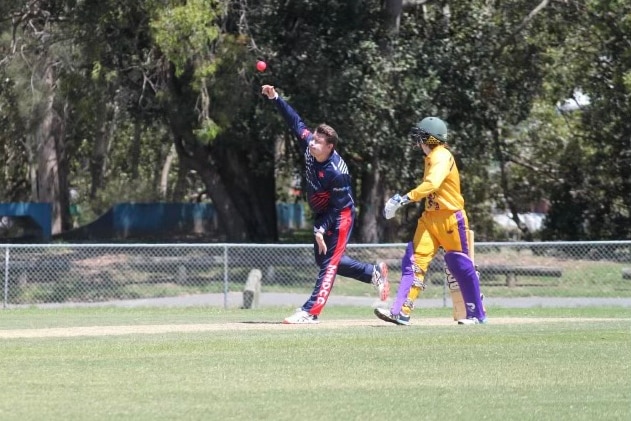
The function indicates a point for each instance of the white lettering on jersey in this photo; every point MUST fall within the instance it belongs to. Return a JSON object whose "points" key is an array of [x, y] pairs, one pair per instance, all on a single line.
{"points": [[327, 284]]}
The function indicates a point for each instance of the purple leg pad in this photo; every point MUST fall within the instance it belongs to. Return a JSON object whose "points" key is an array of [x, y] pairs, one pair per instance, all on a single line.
{"points": [[407, 279], [462, 268]]}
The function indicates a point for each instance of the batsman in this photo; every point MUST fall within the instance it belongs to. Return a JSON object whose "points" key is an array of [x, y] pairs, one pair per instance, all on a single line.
{"points": [[443, 223]]}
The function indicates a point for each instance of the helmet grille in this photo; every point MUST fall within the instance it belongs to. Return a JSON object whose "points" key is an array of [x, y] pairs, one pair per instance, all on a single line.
{"points": [[421, 137]]}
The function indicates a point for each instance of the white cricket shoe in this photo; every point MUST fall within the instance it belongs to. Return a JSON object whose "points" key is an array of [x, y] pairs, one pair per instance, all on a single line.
{"points": [[380, 280], [301, 317], [471, 321]]}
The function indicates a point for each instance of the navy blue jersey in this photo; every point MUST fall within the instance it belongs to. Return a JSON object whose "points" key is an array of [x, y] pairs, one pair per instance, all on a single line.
{"points": [[328, 183]]}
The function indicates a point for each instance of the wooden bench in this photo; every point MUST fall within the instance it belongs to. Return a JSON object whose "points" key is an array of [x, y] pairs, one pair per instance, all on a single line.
{"points": [[36, 269], [181, 265], [181, 268], [511, 272]]}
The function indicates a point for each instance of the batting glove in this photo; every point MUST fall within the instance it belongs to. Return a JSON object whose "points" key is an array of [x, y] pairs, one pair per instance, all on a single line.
{"points": [[393, 204]]}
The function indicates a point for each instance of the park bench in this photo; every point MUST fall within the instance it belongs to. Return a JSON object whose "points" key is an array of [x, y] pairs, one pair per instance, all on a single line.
{"points": [[511, 272], [36, 269], [277, 267]]}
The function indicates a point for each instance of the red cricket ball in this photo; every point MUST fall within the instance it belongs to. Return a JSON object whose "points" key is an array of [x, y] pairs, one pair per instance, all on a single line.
{"points": [[261, 66]]}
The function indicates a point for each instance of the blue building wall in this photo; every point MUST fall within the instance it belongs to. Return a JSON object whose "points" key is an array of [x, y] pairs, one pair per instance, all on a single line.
{"points": [[125, 220], [40, 213]]}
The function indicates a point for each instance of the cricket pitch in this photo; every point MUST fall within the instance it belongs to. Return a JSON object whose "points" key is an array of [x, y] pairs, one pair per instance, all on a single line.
{"points": [[265, 325]]}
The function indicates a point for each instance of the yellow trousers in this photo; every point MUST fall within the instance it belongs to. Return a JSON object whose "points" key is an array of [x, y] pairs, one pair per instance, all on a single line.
{"points": [[435, 229]]}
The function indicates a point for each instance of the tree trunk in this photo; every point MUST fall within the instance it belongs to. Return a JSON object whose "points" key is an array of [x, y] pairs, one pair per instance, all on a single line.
{"points": [[49, 140], [243, 199], [192, 154], [164, 175], [229, 217], [506, 190], [178, 193], [371, 192], [134, 149], [98, 164], [372, 226], [393, 10], [252, 192]]}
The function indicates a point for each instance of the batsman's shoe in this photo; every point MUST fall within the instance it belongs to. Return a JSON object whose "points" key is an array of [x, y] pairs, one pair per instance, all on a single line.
{"points": [[380, 280], [301, 317], [472, 321], [387, 316]]}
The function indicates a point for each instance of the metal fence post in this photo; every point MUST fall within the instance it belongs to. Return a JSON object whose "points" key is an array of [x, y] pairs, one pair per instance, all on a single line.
{"points": [[225, 277], [6, 277]]}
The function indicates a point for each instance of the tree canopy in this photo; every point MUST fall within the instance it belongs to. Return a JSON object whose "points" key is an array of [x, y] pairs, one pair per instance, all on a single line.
{"points": [[159, 100]]}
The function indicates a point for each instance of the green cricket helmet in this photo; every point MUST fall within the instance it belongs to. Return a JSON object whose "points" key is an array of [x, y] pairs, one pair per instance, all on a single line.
{"points": [[430, 131]]}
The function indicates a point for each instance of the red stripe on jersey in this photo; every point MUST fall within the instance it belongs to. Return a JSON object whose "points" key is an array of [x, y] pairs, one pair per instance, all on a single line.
{"points": [[346, 219], [320, 201]]}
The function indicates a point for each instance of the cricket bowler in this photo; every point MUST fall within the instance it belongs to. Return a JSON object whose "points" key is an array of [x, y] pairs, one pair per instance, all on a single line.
{"points": [[330, 198]]}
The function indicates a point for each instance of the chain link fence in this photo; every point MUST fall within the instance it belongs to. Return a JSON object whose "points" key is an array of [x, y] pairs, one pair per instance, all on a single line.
{"points": [[102, 273]]}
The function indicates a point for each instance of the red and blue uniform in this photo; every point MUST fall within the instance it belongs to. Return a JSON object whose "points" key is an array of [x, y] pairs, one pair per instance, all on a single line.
{"points": [[330, 198]]}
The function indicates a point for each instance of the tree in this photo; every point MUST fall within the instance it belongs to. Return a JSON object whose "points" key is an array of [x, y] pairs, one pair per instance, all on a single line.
{"points": [[98, 95], [33, 63], [219, 140], [334, 63], [166, 62], [593, 197]]}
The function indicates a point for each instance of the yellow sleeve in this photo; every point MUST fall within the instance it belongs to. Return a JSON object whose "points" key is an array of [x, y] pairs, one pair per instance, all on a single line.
{"points": [[437, 167]]}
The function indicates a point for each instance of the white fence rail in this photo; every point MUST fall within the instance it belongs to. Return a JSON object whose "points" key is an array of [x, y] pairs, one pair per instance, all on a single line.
{"points": [[102, 273]]}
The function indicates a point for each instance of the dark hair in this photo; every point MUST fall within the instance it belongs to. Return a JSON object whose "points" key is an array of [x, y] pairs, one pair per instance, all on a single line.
{"points": [[329, 133]]}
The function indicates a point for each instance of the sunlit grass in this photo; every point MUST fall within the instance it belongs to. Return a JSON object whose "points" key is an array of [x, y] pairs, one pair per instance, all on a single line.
{"points": [[562, 370]]}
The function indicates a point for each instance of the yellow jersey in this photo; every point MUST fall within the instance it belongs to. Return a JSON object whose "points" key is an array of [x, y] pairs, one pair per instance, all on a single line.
{"points": [[441, 182]]}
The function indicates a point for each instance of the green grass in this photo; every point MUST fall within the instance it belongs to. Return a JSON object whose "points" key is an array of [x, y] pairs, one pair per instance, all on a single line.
{"points": [[553, 370]]}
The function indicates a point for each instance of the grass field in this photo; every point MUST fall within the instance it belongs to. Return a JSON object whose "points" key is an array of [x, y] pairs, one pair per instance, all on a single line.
{"points": [[213, 364]]}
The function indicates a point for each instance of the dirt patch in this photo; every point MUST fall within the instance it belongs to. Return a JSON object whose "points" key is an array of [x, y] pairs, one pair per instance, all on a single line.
{"points": [[254, 325]]}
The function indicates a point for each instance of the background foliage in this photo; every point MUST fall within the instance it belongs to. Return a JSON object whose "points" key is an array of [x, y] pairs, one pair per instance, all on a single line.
{"points": [[158, 101]]}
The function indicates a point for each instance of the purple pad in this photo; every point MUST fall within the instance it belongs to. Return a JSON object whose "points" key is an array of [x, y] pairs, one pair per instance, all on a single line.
{"points": [[462, 268], [407, 279]]}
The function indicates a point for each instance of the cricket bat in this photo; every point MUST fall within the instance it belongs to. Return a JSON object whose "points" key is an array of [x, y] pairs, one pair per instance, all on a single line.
{"points": [[458, 305]]}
